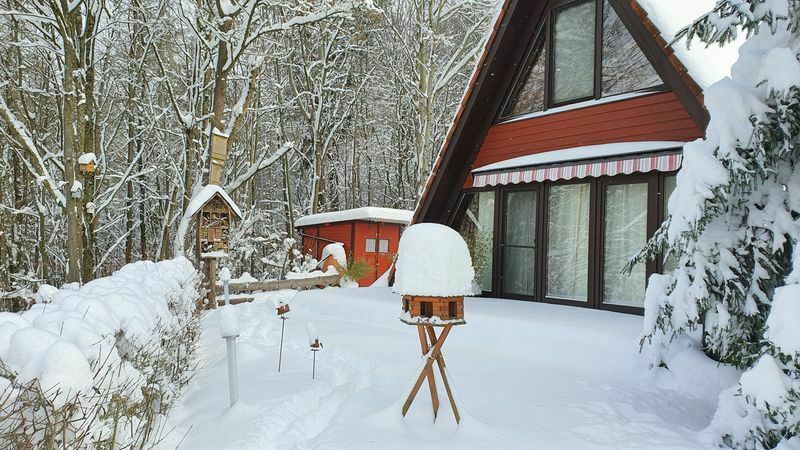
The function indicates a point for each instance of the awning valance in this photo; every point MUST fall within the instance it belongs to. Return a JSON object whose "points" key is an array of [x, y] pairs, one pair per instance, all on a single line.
{"points": [[567, 171]]}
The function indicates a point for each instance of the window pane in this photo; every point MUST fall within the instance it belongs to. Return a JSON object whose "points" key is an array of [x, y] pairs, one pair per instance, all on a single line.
{"points": [[625, 68], [520, 220], [477, 228], [670, 182], [370, 246], [519, 242], [568, 242], [530, 97], [625, 235], [383, 246], [518, 273], [573, 38]]}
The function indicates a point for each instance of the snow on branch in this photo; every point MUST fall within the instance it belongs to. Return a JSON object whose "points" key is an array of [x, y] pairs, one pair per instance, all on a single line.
{"points": [[23, 138], [255, 168]]}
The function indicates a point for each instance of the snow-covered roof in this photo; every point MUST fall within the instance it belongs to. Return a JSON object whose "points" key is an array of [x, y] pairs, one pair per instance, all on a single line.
{"points": [[87, 158], [207, 193], [368, 213], [582, 153], [706, 65]]}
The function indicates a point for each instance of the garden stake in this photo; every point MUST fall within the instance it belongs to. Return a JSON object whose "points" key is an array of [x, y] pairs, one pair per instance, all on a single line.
{"points": [[282, 309], [280, 350]]}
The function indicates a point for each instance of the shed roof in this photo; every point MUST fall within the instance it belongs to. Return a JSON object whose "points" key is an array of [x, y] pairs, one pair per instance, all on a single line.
{"points": [[369, 214]]}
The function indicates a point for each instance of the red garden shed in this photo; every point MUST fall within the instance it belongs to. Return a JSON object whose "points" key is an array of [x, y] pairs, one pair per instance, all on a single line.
{"points": [[370, 234]]}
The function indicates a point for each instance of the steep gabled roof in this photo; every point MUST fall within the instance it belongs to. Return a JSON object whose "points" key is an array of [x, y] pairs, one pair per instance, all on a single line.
{"points": [[516, 23]]}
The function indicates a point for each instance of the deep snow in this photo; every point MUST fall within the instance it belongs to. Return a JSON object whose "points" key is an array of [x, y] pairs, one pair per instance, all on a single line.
{"points": [[527, 375]]}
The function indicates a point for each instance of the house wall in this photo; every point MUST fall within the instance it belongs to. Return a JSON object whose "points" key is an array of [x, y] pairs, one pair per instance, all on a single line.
{"points": [[656, 117]]}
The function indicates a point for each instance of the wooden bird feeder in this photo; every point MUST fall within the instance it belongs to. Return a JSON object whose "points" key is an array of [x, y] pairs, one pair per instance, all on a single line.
{"points": [[87, 162], [316, 345], [433, 311], [283, 309], [418, 279]]}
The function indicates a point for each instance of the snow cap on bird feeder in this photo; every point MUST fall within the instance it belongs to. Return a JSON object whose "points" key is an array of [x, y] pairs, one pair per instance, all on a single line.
{"points": [[434, 273]]}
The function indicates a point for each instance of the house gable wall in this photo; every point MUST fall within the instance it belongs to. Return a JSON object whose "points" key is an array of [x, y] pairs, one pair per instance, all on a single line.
{"points": [[655, 117]]}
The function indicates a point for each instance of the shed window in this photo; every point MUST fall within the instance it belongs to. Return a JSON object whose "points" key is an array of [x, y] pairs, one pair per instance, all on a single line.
{"points": [[383, 246], [370, 245]]}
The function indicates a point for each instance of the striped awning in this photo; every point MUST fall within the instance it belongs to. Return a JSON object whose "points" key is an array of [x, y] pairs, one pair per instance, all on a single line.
{"points": [[568, 171]]}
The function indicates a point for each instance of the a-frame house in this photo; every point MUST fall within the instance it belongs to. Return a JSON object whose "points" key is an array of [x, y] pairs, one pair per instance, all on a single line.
{"points": [[564, 151]]}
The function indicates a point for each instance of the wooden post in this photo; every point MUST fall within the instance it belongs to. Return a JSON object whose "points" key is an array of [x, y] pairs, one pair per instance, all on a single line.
{"points": [[432, 355], [210, 266], [423, 341]]}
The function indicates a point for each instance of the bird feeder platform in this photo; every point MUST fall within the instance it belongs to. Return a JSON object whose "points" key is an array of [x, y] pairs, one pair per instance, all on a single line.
{"points": [[426, 313]]}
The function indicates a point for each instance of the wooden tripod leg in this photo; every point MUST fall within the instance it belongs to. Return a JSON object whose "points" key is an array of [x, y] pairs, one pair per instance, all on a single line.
{"points": [[423, 341], [443, 372], [437, 347]]}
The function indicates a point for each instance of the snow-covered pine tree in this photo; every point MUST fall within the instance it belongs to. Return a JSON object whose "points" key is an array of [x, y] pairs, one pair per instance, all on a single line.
{"points": [[734, 227]]}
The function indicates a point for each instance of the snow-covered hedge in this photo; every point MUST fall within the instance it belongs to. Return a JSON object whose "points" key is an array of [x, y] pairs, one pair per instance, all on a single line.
{"points": [[99, 365]]}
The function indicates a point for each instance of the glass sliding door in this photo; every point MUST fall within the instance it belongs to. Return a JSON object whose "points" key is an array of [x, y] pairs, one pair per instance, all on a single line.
{"points": [[625, 234], [568, 242], [519, 242]]}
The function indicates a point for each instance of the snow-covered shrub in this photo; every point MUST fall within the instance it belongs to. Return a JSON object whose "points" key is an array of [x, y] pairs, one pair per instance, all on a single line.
{"points": [[100, 365], [734, 227]]}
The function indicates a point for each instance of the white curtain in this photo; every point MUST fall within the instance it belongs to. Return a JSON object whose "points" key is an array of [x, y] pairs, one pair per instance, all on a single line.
{"points": [[568, 242], [625, 235]]}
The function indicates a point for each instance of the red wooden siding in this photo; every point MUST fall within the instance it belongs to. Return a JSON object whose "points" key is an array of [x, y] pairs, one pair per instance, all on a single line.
{"points": [[656, 117], [354, 235], [378, 262], [337, 232]]}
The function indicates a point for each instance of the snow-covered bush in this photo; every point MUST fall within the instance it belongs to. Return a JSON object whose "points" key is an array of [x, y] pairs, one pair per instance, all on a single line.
{"points": [[734, 227], [100, 365]]}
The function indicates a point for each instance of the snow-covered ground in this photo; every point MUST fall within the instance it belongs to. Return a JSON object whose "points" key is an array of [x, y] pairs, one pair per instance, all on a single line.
{"points": [[527, 375]]}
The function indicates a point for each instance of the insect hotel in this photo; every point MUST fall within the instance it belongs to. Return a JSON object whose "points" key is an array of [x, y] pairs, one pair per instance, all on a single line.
{"points": [[434, 273], [214, 212]]}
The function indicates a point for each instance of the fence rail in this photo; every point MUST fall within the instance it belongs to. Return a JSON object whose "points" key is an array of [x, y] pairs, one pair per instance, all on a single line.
{"points": [[325, 280]]}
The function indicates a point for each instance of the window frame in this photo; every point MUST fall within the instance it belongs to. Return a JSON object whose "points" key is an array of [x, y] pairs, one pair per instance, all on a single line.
{"points": [[543, 39], [551, 67], [374, 245]]}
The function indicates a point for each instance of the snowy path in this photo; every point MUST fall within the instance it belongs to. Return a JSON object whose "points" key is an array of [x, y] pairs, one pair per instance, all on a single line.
{"points": [[527, 375]]}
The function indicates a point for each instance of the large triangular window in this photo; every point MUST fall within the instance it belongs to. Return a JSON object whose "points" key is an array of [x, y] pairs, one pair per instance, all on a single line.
{"points": [[566, 73]]}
